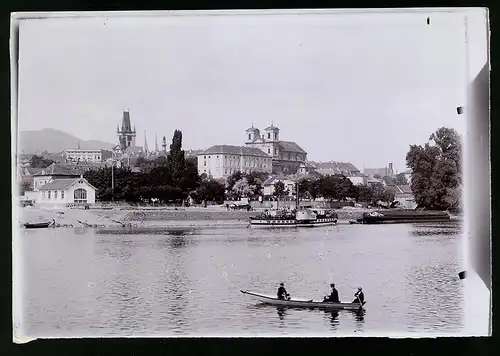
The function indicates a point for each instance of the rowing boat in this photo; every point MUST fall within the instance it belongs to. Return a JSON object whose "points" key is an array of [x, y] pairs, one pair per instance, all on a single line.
{"points": [[303, 303], [38, 225]]}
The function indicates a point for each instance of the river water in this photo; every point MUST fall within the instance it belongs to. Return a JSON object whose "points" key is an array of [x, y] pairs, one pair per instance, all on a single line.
{"points": [[186, 282]]}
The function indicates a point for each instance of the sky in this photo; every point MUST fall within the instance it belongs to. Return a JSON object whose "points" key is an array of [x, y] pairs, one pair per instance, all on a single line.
{"points": [[356, 88]]}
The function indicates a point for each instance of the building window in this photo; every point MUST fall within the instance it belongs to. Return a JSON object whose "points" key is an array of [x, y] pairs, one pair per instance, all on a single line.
{"points": [[48, 196], [269, 135], [62, 194], [269, 150], [80, 195], [249, 137], [43, 195], [55, 194]]}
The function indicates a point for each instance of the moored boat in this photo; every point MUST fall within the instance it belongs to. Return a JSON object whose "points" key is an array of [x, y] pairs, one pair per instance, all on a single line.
{"points": [[38, 225], [404, 216], [301, 218], [274, 219], [316, 217], [303, 303]]}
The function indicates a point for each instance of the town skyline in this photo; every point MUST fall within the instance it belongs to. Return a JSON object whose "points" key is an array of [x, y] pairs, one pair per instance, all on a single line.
{"points": [[212, 84], [151, 148]]}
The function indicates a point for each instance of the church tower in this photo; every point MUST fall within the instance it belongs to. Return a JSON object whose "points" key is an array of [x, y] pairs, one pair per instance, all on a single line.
{"points": [[145, 143], [272, 133], [252, 134], [164, 144], [126, 136]]}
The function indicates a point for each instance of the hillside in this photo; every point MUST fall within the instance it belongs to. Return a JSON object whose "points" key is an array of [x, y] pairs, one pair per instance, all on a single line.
{"points": [[53, 141]]}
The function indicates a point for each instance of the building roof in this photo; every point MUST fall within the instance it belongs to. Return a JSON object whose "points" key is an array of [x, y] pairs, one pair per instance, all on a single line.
{"points": [[376, 171], [31, 171], [345, 168], [400, 189], [67, 169], [374, 180], [408, 171], [63, 184], [132, 150], [273, 179], [126, 126], [234, 150], [289, 146], [251, 129], [271, 128]]}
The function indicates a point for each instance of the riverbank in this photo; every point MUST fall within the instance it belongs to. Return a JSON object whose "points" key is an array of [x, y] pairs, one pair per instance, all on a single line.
{"points": [[153, 217]]}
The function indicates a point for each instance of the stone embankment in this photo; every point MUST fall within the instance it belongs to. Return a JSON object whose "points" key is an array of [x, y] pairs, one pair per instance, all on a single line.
{"points": [[144, 217]]}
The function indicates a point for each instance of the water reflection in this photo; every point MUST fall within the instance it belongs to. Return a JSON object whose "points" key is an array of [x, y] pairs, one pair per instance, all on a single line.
{"points": [[80, 230], [436, 229], [359, 317], [281, 312], [169, 281], [333, 318]]}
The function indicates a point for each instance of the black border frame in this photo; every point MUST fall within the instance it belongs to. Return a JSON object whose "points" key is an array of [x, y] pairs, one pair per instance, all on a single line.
{"points": [[455, 346]]}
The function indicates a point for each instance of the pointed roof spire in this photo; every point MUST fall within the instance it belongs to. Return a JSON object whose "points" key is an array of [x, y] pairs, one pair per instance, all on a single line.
{"points": [[145, 142], [126, 122]]}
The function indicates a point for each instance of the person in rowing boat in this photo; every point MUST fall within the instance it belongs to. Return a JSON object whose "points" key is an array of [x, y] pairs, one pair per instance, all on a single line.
{"points": [[359, 297], [334, 295], [282, 293]]}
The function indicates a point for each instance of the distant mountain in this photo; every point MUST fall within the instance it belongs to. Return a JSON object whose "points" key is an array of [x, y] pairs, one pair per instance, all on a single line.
{"points": [[54, 141]]}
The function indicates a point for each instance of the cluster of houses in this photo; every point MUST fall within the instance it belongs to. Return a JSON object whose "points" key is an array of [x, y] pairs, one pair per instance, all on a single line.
{"points": [[63, 182]]}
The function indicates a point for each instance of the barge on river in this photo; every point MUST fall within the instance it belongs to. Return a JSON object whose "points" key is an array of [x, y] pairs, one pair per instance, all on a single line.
{"points": [[302, 218], [403, 216]]}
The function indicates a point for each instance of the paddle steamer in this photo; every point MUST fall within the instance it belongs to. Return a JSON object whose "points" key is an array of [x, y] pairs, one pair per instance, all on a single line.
{"points": [[301, 218]]}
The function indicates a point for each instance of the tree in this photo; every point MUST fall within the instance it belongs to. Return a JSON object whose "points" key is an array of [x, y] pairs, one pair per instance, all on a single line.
{"points": [[242, 189], [191, 177], [176, 160], [40, 162], [364, 193], [437, 177], [400, 179], [345, 187], [329, 187], [304, 188], [279, 191], [210, 190], [232, 179], [24, 186], [256, 179]]}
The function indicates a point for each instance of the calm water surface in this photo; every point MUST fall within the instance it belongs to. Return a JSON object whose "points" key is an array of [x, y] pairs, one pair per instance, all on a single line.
{"points": [[188, 281]]}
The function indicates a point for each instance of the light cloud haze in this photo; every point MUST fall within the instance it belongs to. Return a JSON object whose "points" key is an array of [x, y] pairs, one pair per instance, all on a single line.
{"points": [[357, 87]]}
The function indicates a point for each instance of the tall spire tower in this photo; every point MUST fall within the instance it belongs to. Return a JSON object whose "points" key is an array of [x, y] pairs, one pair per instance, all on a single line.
{"points": [[164, 145], [145, 142], [126, 136], [156, 144]]}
